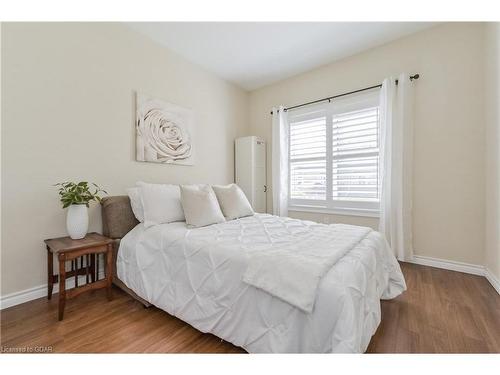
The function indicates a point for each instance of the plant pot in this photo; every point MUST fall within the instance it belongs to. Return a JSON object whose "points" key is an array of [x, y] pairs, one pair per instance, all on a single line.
{"points": [[77, 221]]}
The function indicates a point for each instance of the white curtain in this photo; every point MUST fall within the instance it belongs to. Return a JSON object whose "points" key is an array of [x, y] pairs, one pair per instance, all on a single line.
{"points": [[280, 161], [396, 154]]}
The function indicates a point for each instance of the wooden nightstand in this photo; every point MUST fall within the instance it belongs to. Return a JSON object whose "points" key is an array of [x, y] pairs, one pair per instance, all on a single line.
{"points": [[89, 248]]}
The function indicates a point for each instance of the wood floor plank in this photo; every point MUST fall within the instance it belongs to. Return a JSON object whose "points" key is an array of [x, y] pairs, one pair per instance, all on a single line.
{"points": [[441, 312]]}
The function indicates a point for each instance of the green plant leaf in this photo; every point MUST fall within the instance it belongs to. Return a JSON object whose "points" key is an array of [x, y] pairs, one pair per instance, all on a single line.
{"points": [[78, 193]]}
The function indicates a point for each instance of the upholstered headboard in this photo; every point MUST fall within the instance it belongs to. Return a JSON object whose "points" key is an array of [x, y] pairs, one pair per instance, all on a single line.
{"points": [[117, 216], [117, 220]]}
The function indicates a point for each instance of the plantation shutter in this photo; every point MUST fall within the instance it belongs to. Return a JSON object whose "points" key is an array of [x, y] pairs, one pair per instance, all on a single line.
{"points": [[334, 156], [355, 155], [308, 159]]}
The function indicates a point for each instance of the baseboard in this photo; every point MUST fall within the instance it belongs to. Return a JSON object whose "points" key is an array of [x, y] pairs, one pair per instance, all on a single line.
{"points": [[492, 279], [40, 291], [26, 295], [473, 269]]}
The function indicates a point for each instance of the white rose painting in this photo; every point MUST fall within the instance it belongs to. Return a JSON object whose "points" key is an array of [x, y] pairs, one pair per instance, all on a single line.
{"points": [[164, 132]]}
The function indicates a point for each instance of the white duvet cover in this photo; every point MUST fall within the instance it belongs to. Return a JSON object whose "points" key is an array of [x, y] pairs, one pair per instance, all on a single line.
{"points": [[197, 275]]}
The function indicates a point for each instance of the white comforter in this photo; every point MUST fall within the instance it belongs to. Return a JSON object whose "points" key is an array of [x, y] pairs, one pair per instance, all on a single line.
{"points": [[197, 275]]}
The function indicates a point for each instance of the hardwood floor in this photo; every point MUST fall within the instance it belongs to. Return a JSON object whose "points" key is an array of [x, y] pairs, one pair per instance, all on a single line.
{"points": [[441, 312]]}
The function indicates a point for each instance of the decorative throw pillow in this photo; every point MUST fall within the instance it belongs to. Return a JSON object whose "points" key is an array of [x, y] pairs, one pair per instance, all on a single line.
{"points": [[233, 202], [162, 203], [136, 203], [200, 205]]}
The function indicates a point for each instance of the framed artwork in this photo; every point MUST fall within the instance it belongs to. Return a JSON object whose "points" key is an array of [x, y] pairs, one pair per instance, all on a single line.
{"points": [[164, 132]]}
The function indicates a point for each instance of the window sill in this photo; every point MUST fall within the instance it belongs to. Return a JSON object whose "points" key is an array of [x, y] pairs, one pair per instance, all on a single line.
{"points": [[337, 211]]}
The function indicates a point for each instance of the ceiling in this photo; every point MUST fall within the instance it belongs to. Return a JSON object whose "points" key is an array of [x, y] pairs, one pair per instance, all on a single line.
{"points": [[255, 54]]}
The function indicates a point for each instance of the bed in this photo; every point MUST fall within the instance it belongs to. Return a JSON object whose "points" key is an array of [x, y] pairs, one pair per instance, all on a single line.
{"points": [[198, 276]]}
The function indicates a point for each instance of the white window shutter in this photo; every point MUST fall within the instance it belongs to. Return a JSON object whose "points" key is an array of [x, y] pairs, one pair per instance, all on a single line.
{"points": [[307, 159], [355, 155], [334, 156]]}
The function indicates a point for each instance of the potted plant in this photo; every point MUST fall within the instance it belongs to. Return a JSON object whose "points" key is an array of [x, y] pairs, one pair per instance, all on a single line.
{"points": [[76, 197]]}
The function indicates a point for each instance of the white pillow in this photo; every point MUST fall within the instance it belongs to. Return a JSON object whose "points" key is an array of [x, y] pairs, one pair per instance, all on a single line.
{"points": [[200, 205], [233, 202], [162, 203], [136, 203]]}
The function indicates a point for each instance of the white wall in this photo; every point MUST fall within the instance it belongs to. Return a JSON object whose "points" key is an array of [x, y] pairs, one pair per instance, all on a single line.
{"points": [[68, 100], [68, 113], [492, 100], [449, 172]]}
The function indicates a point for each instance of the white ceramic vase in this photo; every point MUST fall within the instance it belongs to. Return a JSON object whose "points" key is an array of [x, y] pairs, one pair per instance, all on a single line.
{"points": [[77, 221]]}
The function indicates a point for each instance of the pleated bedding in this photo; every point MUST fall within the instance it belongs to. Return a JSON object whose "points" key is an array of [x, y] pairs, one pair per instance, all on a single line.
{"points": [[323, 298]]}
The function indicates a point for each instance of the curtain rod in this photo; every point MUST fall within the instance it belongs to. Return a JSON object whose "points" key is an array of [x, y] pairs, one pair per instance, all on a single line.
{"points": [[415, 76]]}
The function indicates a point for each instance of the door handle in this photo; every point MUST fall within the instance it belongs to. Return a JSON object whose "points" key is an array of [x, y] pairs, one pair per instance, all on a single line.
{"points": [[265, 188]]}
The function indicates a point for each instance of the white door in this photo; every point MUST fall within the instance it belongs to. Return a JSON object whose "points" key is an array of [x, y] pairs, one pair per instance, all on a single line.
{"points": [[260, 177]]}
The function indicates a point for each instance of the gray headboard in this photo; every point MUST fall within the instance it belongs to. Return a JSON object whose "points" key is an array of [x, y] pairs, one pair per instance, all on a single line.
{"points": [[117, 216], [117, 220]]}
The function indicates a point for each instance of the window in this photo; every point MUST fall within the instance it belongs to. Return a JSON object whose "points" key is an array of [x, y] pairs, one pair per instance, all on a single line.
{"points": [[334, 156]]}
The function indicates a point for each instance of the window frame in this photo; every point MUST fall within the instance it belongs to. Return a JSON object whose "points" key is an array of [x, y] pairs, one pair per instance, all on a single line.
{"points": [[329, 110]]}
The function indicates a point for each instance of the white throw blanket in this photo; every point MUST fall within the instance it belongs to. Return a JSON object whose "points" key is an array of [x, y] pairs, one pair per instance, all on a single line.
{"points": [[292, 272]]}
